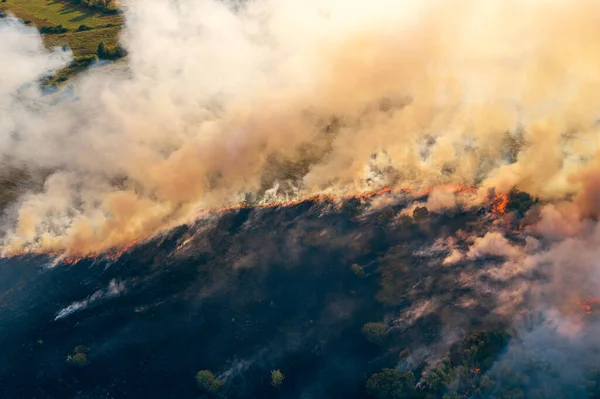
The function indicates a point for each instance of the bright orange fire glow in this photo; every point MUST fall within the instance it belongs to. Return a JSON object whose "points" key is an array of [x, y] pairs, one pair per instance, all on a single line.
{"points": [[586, 304], [498, 205], [499, 202]]}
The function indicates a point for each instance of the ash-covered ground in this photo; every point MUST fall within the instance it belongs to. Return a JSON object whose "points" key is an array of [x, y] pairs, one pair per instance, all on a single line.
{"points": [[250, 291]]}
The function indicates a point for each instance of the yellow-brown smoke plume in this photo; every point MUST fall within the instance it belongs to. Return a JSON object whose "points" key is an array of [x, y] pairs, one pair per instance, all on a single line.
{"points": [[309, 97]]}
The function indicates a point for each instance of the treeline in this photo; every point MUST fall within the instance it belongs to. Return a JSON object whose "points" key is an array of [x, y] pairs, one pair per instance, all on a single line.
{"points": [[52, 30], [105, 52], [475, 368], [81, 62], [108, 6], [57, 29]]}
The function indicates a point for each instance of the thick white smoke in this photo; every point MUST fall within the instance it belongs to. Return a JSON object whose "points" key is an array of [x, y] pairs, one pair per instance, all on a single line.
{"points": [[224, 99]]}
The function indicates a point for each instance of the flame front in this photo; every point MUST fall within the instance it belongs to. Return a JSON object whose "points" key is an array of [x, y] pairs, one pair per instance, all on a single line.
{"points": [[74, 255], [499, 203]]}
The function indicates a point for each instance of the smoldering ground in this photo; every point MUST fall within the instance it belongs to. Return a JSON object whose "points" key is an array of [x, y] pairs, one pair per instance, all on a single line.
{"points": [[271, 101], [251, 290], [186, 301]]}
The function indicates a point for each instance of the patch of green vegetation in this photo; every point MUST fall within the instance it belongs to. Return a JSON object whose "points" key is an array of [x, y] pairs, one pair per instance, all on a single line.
{"points": [[77, 65], [462, 373], [80, 27], [375, 333], [85, 42], [79, 357], [110, 53], [208, 382], [55, 12], [104, 5], [358, 270], [53, 30], [277, 378], [391, 384]]}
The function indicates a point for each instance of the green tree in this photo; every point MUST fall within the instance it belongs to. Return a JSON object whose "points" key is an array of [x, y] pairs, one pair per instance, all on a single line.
{"points": [[358, 270], [78, 359], [391, 384], [207, 381], [479, 349], [439, 379], [101, 50], [277, 378], [375, 333]]}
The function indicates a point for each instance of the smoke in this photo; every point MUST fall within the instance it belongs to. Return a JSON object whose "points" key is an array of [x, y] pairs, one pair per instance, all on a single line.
{"points": [[223, 101], [114, 288]]}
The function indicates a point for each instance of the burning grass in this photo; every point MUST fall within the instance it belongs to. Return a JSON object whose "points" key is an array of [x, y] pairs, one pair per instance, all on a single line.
{"points": [[252, 279], [497, 205]]}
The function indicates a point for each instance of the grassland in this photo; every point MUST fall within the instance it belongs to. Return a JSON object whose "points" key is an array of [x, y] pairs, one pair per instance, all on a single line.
{"points": [[57, 12], [85, 42], [47, 13]]}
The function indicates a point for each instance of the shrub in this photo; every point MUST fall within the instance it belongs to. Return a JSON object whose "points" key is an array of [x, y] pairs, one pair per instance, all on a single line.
{"points": [[102, 5], [358, 270], [101, 50], [479, 348], [375, 333], [85, 59], [391, 384], [111, 53], [78, 359], [277, 378], [83, 28], [207, 381], [53, 30]]}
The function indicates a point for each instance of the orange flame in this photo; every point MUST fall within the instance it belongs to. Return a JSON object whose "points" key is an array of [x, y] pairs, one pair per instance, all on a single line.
{"points": [[499, 202], [585, 304]]}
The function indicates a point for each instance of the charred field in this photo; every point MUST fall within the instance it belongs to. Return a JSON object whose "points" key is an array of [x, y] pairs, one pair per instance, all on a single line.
{"points": [[248, 291], [300, 199]]}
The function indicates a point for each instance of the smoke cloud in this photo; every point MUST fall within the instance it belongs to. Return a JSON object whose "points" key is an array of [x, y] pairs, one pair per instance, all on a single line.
{"points": [[223, 101]]}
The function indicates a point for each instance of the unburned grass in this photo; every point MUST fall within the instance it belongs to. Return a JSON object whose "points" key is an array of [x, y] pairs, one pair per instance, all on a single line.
{"points": [[85, 42], [55, 12], [101, 27]]}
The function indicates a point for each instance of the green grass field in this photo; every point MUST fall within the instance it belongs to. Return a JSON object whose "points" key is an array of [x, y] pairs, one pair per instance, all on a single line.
{"points": [[44, 13], [57, 12], [85, 42]]}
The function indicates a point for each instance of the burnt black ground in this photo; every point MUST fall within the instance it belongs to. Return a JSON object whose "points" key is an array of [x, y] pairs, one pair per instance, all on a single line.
{"points": [[241, 293]]}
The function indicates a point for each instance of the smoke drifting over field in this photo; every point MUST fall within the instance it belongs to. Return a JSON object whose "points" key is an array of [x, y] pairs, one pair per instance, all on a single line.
{"points": [[267, 100], [373, 110]]}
